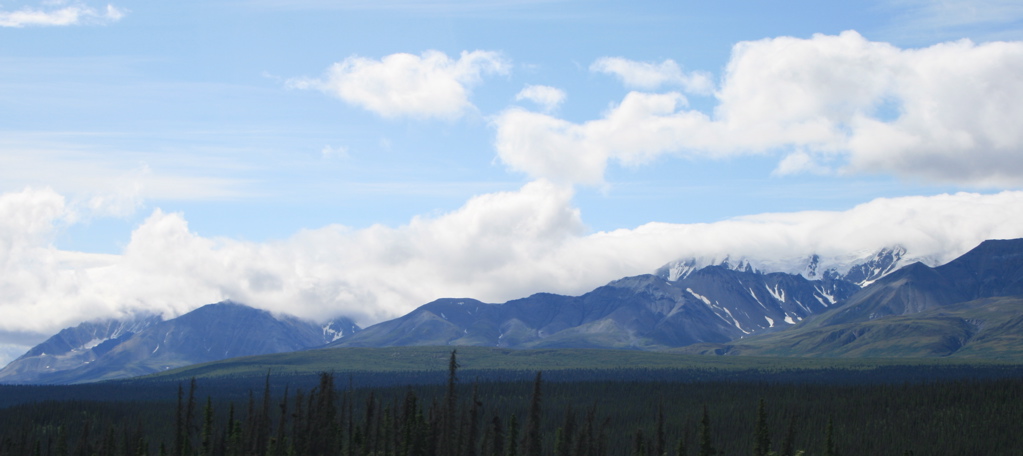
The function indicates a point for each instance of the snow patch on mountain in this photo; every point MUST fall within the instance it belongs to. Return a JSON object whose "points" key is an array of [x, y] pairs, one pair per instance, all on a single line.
{"points": [[93, 343], [699, 296], [860, 267], [338, 328], [824, 294], [777, 293], [681, 269]]}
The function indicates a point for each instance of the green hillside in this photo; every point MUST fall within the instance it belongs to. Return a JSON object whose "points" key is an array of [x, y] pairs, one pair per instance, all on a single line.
{"points": [[988, 328], [434, 359]]}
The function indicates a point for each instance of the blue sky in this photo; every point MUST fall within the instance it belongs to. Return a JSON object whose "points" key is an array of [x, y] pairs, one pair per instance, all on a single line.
{"points": [[363, 157]]}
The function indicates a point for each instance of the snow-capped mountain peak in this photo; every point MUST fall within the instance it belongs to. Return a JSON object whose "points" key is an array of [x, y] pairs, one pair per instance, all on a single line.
{"points": [[859, 268], [338, 328], [882, 263], [678, 270], [89, 335]]}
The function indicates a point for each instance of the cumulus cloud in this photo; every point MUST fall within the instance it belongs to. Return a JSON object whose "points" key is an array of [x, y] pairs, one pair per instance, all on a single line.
{"points": [[424, 86], [799, 162], [946, 113], [547, 97], [639, 129], [59, 14], [496, 247], [652, 76]]}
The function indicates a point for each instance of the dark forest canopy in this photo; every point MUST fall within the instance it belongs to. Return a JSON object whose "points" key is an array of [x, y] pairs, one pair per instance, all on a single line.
{"points": [[959, 410]]}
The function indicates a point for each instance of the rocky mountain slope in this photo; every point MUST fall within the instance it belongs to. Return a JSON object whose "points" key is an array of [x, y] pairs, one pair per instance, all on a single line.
{"points": [[970, 306], [861, 270], [713, 304], [209, 333]]}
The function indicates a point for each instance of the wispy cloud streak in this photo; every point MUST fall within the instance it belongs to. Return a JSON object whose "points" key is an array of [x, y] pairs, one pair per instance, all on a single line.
{"points": [[76, 14]]}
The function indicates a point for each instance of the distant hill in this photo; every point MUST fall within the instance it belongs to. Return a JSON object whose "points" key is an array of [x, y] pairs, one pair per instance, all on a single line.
{"points": [[409, 364], [212, 332]]}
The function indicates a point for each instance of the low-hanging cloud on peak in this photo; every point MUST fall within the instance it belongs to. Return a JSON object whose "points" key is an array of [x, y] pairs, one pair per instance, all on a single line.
{"points": [[945, 113], [496, 247]]}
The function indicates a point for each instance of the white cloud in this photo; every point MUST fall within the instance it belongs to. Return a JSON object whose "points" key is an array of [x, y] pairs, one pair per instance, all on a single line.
{"points": [[547, 97], [75, 14], [652, 76], [424, 86], [799, 162], [642, 127], [946, 113], [496, 247], [28, 219]]}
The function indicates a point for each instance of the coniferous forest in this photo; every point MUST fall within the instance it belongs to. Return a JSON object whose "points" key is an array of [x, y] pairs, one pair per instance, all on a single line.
{"points": [[485, 417]]}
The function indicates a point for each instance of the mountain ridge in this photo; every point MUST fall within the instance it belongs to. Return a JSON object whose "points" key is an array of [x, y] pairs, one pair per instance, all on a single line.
{"points": [[640, 312], [860, 269], [872, 309], [950, 310], [211, 332]]}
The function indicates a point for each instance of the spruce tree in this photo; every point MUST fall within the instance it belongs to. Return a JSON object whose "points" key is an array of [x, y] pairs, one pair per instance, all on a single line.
{"points": [[281, 444], [788, 445], [62, 446], [190, 426], [761, 438], [564, 448], [637, 444], [472, 430], [659, 444], [448, 421], [706, 446], [829, 442], [531, 442], [207, 428], [498, 437], [179, 423], [262, 422], [513, 436], [680, 447], [584, 444]]}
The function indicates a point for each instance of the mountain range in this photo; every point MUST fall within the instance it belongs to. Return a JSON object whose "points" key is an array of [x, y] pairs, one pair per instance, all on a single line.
{"points": [[713, 304], [685, 302], [971, 306], [880, 306], [144, 345]]}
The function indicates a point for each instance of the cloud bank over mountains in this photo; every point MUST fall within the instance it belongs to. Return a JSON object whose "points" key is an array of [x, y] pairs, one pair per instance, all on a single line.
{"points": [[835, 105], [496, 247]]}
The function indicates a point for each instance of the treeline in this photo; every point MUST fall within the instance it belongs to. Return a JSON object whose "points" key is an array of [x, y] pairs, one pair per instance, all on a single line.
{"points": [[237, 387], [464, 417]]}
